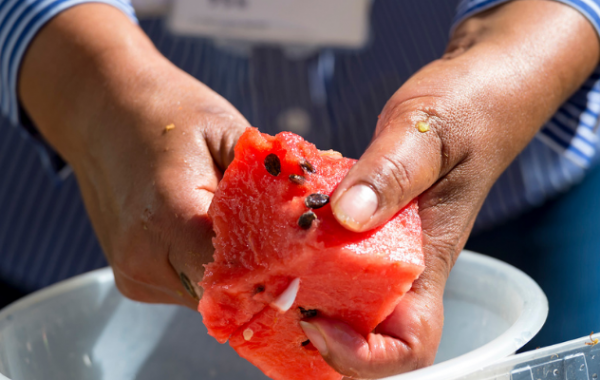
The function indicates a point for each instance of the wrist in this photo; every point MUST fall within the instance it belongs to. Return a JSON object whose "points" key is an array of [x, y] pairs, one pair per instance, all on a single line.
{"points": [[514, 66]]}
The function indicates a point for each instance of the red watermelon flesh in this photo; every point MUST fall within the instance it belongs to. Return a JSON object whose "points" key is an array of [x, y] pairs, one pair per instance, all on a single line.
{"points": [[260, 249]]}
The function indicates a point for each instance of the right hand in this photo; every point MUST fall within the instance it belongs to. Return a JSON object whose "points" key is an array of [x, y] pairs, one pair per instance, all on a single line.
{"points": [[445, 137], [147, 188]]}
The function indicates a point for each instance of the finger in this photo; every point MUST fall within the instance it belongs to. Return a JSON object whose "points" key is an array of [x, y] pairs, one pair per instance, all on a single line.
{"points": [[190, 242], [405, 158], [409, 337], [143, 271], [222, 133], [181, 224], [353, 355], [140, 292], [193, 250], [405, 341]]}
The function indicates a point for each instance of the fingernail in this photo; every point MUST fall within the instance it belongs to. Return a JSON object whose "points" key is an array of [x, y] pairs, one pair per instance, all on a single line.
{"points": [[356, 207], [315, 337], [187, 284]]}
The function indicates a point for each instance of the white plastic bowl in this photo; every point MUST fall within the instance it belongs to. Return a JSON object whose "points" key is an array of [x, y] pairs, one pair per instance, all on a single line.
{"points": [[83, 329]]}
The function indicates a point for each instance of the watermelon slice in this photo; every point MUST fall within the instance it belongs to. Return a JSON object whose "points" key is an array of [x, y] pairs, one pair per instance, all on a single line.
{"points": [[281, 257]]}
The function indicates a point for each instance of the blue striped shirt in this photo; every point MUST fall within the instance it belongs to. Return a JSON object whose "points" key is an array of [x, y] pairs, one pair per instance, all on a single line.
{"points": [[331, 96]]}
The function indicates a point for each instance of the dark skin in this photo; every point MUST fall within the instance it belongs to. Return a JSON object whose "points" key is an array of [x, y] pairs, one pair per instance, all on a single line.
{"points": [[103, 96]]}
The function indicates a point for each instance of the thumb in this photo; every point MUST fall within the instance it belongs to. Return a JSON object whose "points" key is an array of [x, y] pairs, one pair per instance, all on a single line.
{"points": [[404, 159]]}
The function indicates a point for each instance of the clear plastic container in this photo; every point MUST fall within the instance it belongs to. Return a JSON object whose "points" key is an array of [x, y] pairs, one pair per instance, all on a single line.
{"points": [[577, 359], [83, 329]]}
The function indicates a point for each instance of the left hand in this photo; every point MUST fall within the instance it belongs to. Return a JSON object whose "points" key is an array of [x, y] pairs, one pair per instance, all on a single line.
{"points": [[446, 136], [147, 187]]}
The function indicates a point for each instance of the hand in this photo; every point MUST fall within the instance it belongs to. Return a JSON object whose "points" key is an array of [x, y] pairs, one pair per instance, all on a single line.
{"points": [[445, 137], [147, 187]]}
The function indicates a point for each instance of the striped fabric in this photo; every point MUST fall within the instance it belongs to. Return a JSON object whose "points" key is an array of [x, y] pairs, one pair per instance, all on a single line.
{"points": [[467, 8], [19, 22], [332, 97]]}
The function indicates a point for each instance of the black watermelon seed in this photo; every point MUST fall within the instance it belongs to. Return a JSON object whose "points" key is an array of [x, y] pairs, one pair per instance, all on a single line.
{"points": [[305, 221], [297, 179], [307, 166], [259, 289], [305, 343], [308, 313], [316, 200], [273, 165]]}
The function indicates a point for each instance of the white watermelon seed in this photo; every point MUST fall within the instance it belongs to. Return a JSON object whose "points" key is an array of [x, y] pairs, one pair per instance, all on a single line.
{"points": [[248, 333], [286, 299]]}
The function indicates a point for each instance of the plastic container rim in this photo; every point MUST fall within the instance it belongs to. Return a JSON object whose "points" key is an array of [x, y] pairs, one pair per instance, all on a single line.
{"points": [[534, 314], [535, 309]]}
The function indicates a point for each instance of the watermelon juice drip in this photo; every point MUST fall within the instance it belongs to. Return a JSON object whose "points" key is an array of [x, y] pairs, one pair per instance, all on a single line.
{"points": [[269, 236]]}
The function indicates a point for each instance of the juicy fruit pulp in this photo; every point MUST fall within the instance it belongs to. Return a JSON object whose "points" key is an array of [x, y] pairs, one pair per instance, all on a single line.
{"points": [[276, 234]]}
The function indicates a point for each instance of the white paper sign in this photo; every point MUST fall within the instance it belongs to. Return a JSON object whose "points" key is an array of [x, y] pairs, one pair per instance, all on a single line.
{"points": [[343, 23]]}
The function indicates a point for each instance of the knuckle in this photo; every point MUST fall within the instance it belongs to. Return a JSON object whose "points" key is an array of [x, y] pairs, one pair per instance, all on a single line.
{"points": [[443, 116], [398, 174], [442, 126], [370, 362]]}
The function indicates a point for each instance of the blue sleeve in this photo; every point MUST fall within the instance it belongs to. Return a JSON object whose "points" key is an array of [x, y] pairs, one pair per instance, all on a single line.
{"points": [[467, 8], [20, 20]]}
